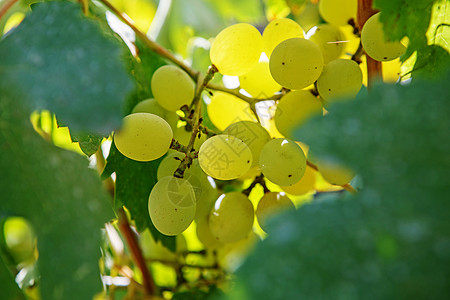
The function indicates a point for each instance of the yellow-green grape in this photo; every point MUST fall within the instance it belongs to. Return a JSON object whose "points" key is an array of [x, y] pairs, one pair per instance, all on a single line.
{"points": [[330, 41], [171, 205], [172, 87], [169, 164], [259, 82], [205, 236], [143, 137], [152, 107], [282, 161], [155, 250], [338, 12], [20, 239], [252, 134], [231, 219], [271, 203], [294, 109], [341, 78], [236, 49], [225, 157], [375, 43], [308, 15], [184, 136], [305, 185], [335, 173], [207, 198], [280, 30], [225, 109], [296, 63]]}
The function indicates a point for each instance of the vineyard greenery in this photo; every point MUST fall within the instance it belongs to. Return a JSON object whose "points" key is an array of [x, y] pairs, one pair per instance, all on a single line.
{"points": [[203, 149]]}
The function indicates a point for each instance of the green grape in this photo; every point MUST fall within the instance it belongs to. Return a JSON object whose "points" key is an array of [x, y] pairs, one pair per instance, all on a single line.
{"points": [[341, 78], [236, 49], [252, 134], [375, 43], [258, 82], [330, 41], [304, 185], [183, 136], [271, 203], [338, 12], [280, 30], [20, 239], [143, 137], [282, 161], [152, 107], [231, 218], [225, 157], [296, 63], [225, 109], [308, 15], [172, 87], [169, 164], [207, 199], [205, 236], [335, 173], [294, 109], [171, 205]]}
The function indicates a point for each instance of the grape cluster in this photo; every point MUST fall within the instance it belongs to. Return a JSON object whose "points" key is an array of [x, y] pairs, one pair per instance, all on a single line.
{"points": [[209, 174]]}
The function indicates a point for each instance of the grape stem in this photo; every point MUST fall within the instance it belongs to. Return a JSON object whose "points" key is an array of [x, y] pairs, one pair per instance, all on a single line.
{"points": [[359, 52], [235, 92], [6, 7], [258, 180], [194, 115]]}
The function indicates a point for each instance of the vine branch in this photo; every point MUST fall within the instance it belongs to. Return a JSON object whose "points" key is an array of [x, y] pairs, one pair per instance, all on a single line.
{"points": [[4, 9]]}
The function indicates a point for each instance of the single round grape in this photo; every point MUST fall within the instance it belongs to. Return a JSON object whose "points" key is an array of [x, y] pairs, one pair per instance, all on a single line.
{"points": [[225, 109], [330, 41], [271, 203], [231, 218], [280, 30], [259, 82], [172, 87], [296, 63], [252, 134], [171, 205], [225, 157], [294, 109], [236, 49], [152, 107], [341, 78], [282, 161], [304, 185], [375, 43], [19, 239], [338, 12], [205, 236], [143, 137], [335, 173]]}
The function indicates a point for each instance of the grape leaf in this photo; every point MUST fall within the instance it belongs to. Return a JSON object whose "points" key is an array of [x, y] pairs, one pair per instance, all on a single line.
{"points": [[62, 199], [10, 290], [89, 143], [57, 59], [391, 240], [134, 181]]}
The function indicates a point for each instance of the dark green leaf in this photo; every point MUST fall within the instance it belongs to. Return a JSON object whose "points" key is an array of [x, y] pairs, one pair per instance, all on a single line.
{"points": [[61, 197], [57, 59], [432, 62], [89, 143], [10, 290], [134, 181], [390, 241]]}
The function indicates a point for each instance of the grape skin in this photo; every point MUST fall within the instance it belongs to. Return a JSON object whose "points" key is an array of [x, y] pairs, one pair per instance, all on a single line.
{"points": [[172, 87], [171, 205], [330, 41], [231, 218], [258, 82], [270, 204], [338, 12], [151, 106], [282, 161], [236, 49], [304, 185], [143, 137], [341, 78], [225, 157], [296, 63], [280, 30], [375, 43]]}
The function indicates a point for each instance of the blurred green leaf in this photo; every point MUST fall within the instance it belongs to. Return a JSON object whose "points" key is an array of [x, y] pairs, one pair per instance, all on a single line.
{"points": [[89, 143], [10, 290], [391, 240], [249, 11], [134, 181], [62, 199], [57, 59]]}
